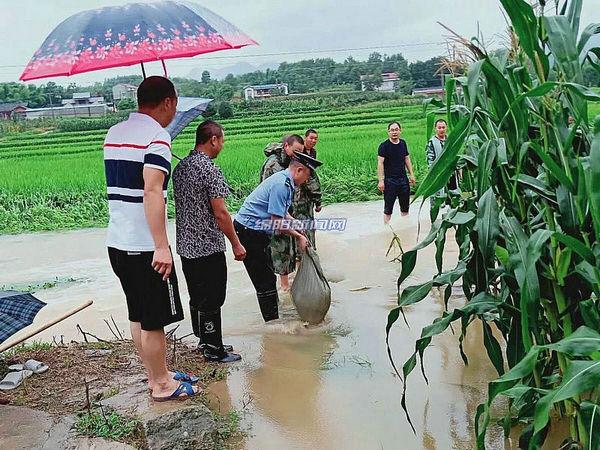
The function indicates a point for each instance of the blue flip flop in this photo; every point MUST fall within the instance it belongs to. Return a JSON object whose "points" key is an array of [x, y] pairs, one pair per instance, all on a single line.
{"points": [[176, 395], [185, 377]]}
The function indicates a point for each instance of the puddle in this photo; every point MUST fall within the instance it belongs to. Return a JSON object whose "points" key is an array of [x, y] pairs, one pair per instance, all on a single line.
{"points": [[329, 386], [40, 285]]}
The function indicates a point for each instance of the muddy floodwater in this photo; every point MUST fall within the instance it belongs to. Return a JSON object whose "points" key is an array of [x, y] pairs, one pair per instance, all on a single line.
{"points": [[324, 387]]}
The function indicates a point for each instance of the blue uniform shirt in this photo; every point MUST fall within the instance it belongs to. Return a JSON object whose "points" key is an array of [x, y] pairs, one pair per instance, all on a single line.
{"points": [[272, 197]]}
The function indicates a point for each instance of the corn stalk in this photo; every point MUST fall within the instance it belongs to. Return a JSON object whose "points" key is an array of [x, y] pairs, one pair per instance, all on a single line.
{"points": [[526, 223]]}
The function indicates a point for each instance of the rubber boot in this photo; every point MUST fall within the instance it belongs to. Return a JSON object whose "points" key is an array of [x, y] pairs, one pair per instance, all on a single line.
{"points": [[211, 337], [195, 315], [267, 301]]}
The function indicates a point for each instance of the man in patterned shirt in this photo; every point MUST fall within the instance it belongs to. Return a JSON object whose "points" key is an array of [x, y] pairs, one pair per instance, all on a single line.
{"points": [[201, 220]]}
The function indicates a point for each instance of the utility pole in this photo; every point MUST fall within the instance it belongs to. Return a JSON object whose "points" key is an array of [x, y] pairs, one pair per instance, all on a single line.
{"points": [[51, 106], [49, 94]]}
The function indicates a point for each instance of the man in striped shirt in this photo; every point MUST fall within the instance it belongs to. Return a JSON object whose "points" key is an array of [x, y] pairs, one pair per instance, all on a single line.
{"points": [[137, 161]]}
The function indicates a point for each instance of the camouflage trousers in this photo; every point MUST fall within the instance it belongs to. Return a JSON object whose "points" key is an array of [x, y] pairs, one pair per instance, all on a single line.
{"points": [[283, 253], [309, 233]]}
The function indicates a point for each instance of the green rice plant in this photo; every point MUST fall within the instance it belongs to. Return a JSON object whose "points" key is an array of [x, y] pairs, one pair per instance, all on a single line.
{"points": [[49, 185], [526, 224]]}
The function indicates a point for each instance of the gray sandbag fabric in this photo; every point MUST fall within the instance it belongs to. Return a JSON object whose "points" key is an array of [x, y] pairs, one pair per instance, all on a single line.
{"points": [[310, 291]]}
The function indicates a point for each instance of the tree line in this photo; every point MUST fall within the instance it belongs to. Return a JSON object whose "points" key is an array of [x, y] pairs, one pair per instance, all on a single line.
{"points": [[305, 76]]}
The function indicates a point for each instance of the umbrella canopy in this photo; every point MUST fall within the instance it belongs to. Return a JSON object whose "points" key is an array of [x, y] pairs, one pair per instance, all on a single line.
{"points": [[119, 36], [188, 108], [17, 310]]}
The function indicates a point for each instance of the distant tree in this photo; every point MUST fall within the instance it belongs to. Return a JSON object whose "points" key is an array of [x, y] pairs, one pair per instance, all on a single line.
{"points": [[210, 110], [205, 78], [397, 63], [126, 104], [405, 86], [53, 92], [424, 73], [225, 91], [375, 58], [372, 81], [225, 110], [231, 80]]}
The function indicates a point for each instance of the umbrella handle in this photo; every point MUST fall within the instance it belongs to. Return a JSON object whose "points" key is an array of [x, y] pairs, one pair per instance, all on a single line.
{"points": [[41, 328], [164, 68], [143, 70]]}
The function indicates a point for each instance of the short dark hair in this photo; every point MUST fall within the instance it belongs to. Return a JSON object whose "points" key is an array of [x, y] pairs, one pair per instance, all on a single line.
{"points": [[310, 131], [394, 123], [206, 130], [290, 139], [440, 120], [154, 90]]}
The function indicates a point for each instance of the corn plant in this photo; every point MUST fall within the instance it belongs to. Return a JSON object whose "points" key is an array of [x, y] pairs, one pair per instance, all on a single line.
{"points": [[526, 223]]}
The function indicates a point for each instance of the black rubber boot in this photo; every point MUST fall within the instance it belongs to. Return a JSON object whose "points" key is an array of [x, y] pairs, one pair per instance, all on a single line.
{"points": [[202, 346], [212, 354], [267, 301], [210, 328], [195, 315], [211, 337]]}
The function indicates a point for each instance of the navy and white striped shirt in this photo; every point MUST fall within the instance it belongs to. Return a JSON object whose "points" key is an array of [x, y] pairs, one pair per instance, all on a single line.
{"points": [[129, 147]]}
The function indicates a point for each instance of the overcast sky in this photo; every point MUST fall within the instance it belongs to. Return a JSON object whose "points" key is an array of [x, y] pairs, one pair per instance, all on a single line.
{"points": [[279, 26]]}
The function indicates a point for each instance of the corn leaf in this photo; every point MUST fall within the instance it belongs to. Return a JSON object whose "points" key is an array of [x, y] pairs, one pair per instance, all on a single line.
{"points": [[487, 225], [590, 416], [580, 377]]}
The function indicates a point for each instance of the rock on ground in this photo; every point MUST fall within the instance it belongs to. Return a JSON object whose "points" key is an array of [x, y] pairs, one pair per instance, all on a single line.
{"points": [[190, 428]]}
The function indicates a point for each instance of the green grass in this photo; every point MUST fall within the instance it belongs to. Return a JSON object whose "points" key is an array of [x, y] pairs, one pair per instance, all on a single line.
{"points": [[228, 430], [26, 348], [108, 425]]}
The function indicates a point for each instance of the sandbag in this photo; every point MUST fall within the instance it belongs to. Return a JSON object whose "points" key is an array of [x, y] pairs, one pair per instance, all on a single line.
{"points": [[310, 291]]}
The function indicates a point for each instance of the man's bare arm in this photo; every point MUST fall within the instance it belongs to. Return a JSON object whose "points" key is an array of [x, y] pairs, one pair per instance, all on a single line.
{"points": [[154, 208], [380, 173], [226, 225], [410, 169]]}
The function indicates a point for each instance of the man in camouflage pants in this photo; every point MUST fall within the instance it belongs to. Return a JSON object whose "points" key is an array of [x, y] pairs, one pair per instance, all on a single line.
{"points": [[307, 197], [282, 246]]}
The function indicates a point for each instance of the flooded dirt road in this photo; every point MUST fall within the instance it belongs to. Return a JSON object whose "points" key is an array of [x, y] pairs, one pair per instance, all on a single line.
{"points": [[325, 387]]}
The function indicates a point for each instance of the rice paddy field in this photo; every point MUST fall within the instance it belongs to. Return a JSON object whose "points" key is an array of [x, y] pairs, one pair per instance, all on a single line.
{"points": [[55, 180]]}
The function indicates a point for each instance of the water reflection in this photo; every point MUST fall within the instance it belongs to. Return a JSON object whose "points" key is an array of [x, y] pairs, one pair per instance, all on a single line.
{"points": [[286, 384]]}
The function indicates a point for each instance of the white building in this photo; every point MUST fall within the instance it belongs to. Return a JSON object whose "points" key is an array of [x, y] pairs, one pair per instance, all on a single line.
{"points": [[82, 98], [122, 90], [389, 82], [265, 90]]}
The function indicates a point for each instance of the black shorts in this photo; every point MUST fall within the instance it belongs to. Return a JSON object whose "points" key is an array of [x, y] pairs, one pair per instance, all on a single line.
{"points": [[151, 301], [396, 189]]}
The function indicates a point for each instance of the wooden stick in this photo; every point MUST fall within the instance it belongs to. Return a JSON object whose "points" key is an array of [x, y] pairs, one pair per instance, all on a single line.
{"points": [[41, 328]]}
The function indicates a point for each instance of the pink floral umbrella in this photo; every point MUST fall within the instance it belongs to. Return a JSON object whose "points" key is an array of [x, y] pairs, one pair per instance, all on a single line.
{"points": [[136, 33]]}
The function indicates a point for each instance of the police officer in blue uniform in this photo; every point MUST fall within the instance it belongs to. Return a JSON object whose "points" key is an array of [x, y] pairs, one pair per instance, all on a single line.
{"points": [[264, 212]]}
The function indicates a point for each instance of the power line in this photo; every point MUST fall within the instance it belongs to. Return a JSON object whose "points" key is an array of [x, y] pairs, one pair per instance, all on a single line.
{"points": [[301, 52], [305, 52]]}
